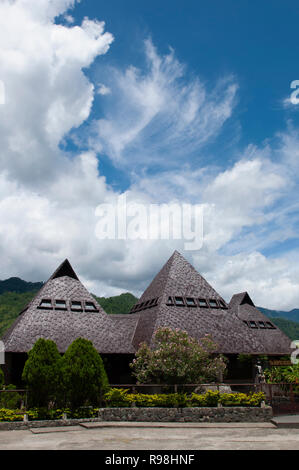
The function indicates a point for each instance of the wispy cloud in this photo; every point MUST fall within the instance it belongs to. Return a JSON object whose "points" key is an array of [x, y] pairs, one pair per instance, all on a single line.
{"points": [[160, 115]]}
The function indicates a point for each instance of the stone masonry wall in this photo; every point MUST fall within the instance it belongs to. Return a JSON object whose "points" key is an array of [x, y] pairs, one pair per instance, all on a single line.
{"points": [[163, 415], [189, 415]]}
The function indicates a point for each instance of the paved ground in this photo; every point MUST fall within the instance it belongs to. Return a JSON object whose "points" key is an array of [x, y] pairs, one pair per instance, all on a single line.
{"points": [[131, 436]]}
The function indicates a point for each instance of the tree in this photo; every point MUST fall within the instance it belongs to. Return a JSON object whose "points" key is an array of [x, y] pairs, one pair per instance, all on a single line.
{"points": [[41, 372], [177, 358], [84, 375]]}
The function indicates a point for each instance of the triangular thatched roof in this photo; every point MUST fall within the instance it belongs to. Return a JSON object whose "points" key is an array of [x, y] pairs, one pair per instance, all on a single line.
{"points": [[237, 328], [64, 310], [178, 297]]}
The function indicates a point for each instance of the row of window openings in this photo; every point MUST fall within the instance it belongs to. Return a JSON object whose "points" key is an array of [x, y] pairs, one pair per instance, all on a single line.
{"points": [[259, 324], [194, 302], [75, 305], [147, 304]]}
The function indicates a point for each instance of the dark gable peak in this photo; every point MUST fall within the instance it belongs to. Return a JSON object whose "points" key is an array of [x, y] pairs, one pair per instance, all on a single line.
{"points": [[65, 269]]}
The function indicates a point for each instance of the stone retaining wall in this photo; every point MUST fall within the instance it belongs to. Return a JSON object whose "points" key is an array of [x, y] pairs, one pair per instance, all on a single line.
{"points": [[182, 415], [189, 415]]}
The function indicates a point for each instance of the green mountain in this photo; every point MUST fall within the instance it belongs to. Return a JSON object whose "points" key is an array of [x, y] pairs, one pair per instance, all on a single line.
{"points": [[288, 322], [15, 284], [292, 315], [289, 327], [118, 304]]}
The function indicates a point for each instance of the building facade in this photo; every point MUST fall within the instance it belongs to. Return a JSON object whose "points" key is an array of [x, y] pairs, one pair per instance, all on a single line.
{"points": [[178, 297]]}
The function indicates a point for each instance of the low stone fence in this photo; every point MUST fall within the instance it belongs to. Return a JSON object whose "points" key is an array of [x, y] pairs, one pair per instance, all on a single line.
{"points": [[236, 414]]}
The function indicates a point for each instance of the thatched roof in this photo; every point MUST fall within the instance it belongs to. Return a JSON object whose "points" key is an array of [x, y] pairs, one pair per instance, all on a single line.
{"points": [[225, 323], [178, 297], [63, 320]]}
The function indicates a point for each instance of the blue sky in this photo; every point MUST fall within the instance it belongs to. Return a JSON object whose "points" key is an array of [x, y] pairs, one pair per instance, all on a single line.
{"points": [[185, 102], [254, 41]]}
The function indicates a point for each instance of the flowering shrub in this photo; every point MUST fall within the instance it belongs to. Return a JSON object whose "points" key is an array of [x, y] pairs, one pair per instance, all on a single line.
{"points": [[14, 415], [117, 397], [177, 358], [46, 414], [241, 399], [208, 399], [121, 398]]}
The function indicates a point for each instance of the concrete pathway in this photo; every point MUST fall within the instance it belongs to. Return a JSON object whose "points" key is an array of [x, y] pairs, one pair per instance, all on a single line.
{"points": [[147, 436], [286, 421]]}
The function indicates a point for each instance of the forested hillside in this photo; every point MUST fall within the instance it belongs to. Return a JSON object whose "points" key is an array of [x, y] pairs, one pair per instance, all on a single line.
{"points": [[15, 284], [118, 304]]}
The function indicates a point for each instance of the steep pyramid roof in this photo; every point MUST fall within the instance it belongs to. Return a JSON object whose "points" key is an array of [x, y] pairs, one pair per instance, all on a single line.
{"points": [[63, 310], [179, 297], [179, 277]]}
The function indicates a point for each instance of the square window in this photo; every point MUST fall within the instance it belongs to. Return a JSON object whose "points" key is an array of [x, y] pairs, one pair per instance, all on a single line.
{"points": [[179, 301], [202, 302], [46, 303], [76, 305], [213, 303], [190, 301], [169, 301], [262, 324], [60, 304], [90, 307], [252, 324]]}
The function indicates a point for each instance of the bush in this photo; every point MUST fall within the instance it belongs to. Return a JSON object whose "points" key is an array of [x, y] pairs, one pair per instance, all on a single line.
{"points": [[178, 359], [10, 400], [241, 399], [117, 397], [42, 373], [208, 399], [45, 413], [84, 375], [15, 415], [121, 398]]}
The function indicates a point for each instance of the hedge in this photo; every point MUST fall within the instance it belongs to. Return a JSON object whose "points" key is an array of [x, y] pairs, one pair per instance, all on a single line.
{"points": [[118, 397], [45, 414]]}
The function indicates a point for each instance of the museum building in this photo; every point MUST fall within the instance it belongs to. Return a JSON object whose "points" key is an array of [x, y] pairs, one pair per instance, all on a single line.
{"points": [[178, 297]]}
